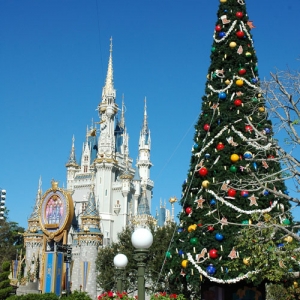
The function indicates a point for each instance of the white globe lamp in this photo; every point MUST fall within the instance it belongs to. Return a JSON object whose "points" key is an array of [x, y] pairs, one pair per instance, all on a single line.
{"points": [[120, 261], [142, 238]]}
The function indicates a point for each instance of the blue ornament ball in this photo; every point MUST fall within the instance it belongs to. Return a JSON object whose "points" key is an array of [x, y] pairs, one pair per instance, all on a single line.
{"points": [[195, 146], [254, 80], [280, 245], [265, 193], [213, 202], [211, 270], [254, 166], [180, 229], [222, 96], [247, 154], [267, 130], [222, 34], [207, 155], [180, 252], [219, 237]]}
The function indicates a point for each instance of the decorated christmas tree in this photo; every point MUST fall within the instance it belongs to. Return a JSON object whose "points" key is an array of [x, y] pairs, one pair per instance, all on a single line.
{"points": [[234, 181]]}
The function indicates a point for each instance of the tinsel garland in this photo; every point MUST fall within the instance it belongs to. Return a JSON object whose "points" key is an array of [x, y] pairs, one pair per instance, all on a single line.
{"points": [[214, 279]]}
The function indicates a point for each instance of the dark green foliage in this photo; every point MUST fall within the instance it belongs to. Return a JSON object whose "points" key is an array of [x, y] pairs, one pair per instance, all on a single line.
{"points": [[257, 170], [161, 240], [5, 287], [47, 296], [79, 296], [11, 240]]}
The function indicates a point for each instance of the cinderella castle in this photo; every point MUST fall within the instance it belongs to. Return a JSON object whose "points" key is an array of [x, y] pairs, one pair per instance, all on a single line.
{"points": [[104, 193]]}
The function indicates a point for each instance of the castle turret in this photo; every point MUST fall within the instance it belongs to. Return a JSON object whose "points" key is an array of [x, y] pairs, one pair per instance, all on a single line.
{"points": [[33, 238], [85, 251], [144, 164], [72, 166], [107, 110]]}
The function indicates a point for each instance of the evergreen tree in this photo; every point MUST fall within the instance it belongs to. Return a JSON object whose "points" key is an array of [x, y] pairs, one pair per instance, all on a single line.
{"points": [[234, 182], [11, 240], [5, 287]]}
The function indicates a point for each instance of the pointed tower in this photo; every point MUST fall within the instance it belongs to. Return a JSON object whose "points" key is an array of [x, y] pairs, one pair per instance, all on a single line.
{"points": [[72, 166], [144, 164], [85, 250], [33, 237], [107, 110], [143, 217], [113, 166]]}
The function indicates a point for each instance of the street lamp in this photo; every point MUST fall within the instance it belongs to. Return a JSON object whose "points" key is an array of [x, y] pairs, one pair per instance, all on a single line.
{"points": [[2, 203], [141, 240], [120, 262]]}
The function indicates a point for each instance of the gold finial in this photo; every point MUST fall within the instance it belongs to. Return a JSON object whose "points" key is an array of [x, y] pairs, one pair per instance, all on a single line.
{"points": [[54, 185], [173, 199]]}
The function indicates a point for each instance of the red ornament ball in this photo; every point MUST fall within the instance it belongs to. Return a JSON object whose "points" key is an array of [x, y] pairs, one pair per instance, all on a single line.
{"points": [[206, 127], [248, 128], [188, 210], [239, 14], [218, 28], [271, 156], [240, 34], [213, 253], [220, 146], [242, 71], [237, 102], [231, 193], [210, 228], [203, 171]]}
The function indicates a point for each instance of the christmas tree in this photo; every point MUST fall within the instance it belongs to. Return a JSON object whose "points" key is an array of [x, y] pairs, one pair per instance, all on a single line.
{"points": [[234, 180]]}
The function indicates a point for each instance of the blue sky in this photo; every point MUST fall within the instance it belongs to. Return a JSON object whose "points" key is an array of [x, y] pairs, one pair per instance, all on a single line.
{"points": [[53, 62]]}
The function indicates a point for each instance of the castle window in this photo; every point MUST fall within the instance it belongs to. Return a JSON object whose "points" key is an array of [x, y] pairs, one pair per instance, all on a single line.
{"points": [[85, 169], [86, 158]]}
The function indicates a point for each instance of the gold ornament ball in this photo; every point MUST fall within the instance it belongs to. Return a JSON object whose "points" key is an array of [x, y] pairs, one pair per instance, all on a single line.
{"points": [[184, 263], [250, 221], [261, 108], [234, 157], [205, 184], [246, 261], [288, 239], [295, 284], [192, 228], [259, 95], [232, 45], [239, 82], [227, 81], [223, 1], [248, 54]]}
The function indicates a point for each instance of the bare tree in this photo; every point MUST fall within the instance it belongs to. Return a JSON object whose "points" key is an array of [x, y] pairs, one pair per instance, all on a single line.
{"points": [[282, 93]]}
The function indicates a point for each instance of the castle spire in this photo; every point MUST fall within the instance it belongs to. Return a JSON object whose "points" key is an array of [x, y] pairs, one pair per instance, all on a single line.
{"points": [[143, 208], [108, 89], [35, 213], [72, 158], [145, 129]]}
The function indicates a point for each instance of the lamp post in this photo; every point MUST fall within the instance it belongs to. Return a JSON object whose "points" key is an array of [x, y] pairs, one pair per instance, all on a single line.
{"points": [[141, 240], [2, 203], [120, 262]]}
